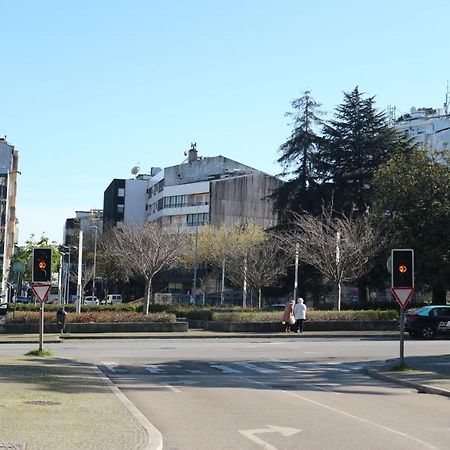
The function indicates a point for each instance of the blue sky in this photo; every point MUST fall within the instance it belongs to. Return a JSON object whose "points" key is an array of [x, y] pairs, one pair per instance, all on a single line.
{"points": [[89, 89]]}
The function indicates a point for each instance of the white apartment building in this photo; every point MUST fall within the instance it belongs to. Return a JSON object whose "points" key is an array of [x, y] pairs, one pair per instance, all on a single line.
{"points": [[429, 127]]}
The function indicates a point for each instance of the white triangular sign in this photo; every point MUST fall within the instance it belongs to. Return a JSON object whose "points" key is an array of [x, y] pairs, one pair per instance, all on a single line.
{"points": [[402, 295], [41, 291]]}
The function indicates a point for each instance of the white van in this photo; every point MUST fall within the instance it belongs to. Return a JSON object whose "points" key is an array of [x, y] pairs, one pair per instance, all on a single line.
{"points": [[113, 298]]}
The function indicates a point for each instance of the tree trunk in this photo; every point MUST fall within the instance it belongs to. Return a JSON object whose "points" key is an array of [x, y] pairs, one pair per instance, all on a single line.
{"points": [[439, 294], [259, 298], [338, 296], [147, 295]]}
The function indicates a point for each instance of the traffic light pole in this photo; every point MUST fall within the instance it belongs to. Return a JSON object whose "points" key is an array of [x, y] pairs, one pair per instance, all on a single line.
{"points": [[402, 337]]}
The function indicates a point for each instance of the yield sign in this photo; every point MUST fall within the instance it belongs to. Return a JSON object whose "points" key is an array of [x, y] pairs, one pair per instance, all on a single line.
{"points": [[41, 291], [402, 295]]}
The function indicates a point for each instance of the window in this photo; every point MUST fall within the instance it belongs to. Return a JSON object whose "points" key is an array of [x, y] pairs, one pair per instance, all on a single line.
{"points": [[121, 192], [120, 208], [197, 219]]}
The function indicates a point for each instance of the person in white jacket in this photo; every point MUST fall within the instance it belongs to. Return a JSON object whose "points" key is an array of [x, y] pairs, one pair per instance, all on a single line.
{"points": [[300, 315]]}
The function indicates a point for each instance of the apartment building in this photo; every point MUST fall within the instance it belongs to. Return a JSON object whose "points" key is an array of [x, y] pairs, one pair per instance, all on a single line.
{"points": [[215, 190], [9, 161]]}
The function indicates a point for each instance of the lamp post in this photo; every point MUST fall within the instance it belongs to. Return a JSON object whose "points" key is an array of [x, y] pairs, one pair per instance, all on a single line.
{"points": [[95, 258]]}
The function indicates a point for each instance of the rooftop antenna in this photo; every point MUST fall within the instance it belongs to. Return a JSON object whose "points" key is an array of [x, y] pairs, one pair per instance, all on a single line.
{"points": [[446, 101]]}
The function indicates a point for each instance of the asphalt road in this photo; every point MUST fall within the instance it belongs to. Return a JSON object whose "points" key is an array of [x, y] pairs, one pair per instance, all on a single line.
{"points": [[272, 394]]}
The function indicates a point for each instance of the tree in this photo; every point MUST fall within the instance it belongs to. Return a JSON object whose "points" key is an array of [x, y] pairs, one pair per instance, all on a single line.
{"points": [[356, 142], [297, 155], [412, 193], [145, 250], [339, 247], [263, 264]]}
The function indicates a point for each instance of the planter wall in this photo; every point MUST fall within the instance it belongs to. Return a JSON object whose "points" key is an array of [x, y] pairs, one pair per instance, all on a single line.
{"points": [[24, 328], [309, 325]]}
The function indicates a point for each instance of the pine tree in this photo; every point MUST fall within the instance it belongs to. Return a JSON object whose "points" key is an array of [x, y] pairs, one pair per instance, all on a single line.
{"points": [[297, 154], [356, 142]]}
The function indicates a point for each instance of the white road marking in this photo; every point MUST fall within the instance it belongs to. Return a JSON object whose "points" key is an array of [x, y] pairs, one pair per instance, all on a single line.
{"points": [[346, 414], [195, 371], [225, 369], [284, 431], [174, 389], [110, 365], [153, 369], [256, 368]]}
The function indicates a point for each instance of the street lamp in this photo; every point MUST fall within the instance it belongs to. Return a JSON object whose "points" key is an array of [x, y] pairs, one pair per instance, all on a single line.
{"points": [[95, 258], [67, 279]]}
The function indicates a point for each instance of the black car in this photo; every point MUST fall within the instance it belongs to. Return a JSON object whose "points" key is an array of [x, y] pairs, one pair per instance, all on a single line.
{"points": [[428, 321]]}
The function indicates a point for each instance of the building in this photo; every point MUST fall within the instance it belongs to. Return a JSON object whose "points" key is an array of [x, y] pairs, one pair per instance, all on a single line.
{"points": [[90, 222], [429, 127], [9, 162], [215, 190], [124, 202]]}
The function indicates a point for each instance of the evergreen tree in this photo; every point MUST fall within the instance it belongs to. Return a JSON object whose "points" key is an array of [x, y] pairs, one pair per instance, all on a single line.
{"points": [[297, 154], [356, 142]]}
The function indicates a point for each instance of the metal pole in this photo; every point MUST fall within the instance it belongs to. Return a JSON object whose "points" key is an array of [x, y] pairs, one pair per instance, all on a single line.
{"points": [[402, 337], [80, 268], [222, 294], [67, 280], [41, 327], [296, 270], [194, 286], [60, 272], [95, 258], [338, 271], [244, 293]]}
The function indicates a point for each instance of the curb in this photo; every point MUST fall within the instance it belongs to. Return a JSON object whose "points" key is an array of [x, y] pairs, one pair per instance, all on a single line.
{"points": [[421, 388], [155, 440]]}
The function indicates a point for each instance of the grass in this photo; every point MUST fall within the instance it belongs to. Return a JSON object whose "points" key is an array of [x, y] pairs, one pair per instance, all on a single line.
{"points": [[44, 353], [401, 368]]}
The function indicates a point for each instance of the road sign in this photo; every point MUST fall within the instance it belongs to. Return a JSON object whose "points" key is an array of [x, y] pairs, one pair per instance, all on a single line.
{"points": [[41, 291], [402, 295]]}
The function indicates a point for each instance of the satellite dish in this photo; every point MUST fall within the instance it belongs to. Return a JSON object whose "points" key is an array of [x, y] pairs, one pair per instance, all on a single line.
{"points": [[135, 170]]}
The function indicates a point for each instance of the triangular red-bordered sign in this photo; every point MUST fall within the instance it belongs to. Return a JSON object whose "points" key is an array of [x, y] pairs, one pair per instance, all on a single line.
{"points": [[402, 295], [41, 291]]}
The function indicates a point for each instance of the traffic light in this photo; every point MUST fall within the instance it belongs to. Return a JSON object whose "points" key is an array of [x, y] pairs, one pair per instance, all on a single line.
{"points": [[402, 268], [42, 265]]}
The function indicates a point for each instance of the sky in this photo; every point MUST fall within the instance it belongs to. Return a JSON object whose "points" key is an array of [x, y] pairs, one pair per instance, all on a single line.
{"points": [[90, 89]]}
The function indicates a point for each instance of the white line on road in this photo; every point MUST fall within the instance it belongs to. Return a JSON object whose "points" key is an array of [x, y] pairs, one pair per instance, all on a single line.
{"points": [[225, 369], [344, 413], [110, 365], [153, 369], [256, 368]]}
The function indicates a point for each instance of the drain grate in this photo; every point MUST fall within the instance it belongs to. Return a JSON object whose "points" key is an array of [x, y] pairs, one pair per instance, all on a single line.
{"points": [[11, 446], [40, 403]]}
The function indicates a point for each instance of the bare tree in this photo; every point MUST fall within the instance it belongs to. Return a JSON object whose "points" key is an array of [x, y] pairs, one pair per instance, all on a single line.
{"points": [[86, 276], [145, 250], [339, 247], [264, 264]]}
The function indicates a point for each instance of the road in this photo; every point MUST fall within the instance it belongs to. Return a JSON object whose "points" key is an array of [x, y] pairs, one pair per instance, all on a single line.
{"points": [[271, 393]]}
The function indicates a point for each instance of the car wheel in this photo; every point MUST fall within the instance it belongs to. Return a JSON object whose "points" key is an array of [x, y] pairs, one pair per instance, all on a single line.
{"points": [[428, 332], [413, 334]]}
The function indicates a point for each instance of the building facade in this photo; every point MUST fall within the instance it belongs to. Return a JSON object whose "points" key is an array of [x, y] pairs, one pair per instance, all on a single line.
{"points": [[215, 190], [9, 162]]}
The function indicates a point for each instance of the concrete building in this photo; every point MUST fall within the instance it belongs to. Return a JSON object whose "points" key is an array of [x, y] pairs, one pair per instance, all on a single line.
{"points": [[91, 222], [9, 161], [214, 190]]}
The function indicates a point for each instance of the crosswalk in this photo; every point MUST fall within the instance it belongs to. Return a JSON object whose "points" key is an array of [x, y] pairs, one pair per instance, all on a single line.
{"points": [[231, 368]]}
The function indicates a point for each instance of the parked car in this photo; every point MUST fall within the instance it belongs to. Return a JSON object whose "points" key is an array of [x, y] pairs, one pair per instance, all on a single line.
{"points": [[113, 298], [3, 309], [428, 322], [22, 299], [90, 300]]}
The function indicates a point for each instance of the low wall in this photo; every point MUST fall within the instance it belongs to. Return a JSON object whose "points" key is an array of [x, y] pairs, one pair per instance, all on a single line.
{"points": [[309, 325], [25, 328]]}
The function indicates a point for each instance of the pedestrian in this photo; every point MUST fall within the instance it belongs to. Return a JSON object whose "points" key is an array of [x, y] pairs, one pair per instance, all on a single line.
{"points": [[288, 316], [300, 314]]}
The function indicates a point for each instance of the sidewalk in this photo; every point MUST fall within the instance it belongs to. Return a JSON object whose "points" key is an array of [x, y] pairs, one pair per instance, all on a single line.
{"points": [[45, 402], [427, 374]]}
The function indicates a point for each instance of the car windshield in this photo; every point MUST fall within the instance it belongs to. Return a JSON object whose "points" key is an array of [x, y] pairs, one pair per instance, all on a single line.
{"points": [[422, 311]]}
